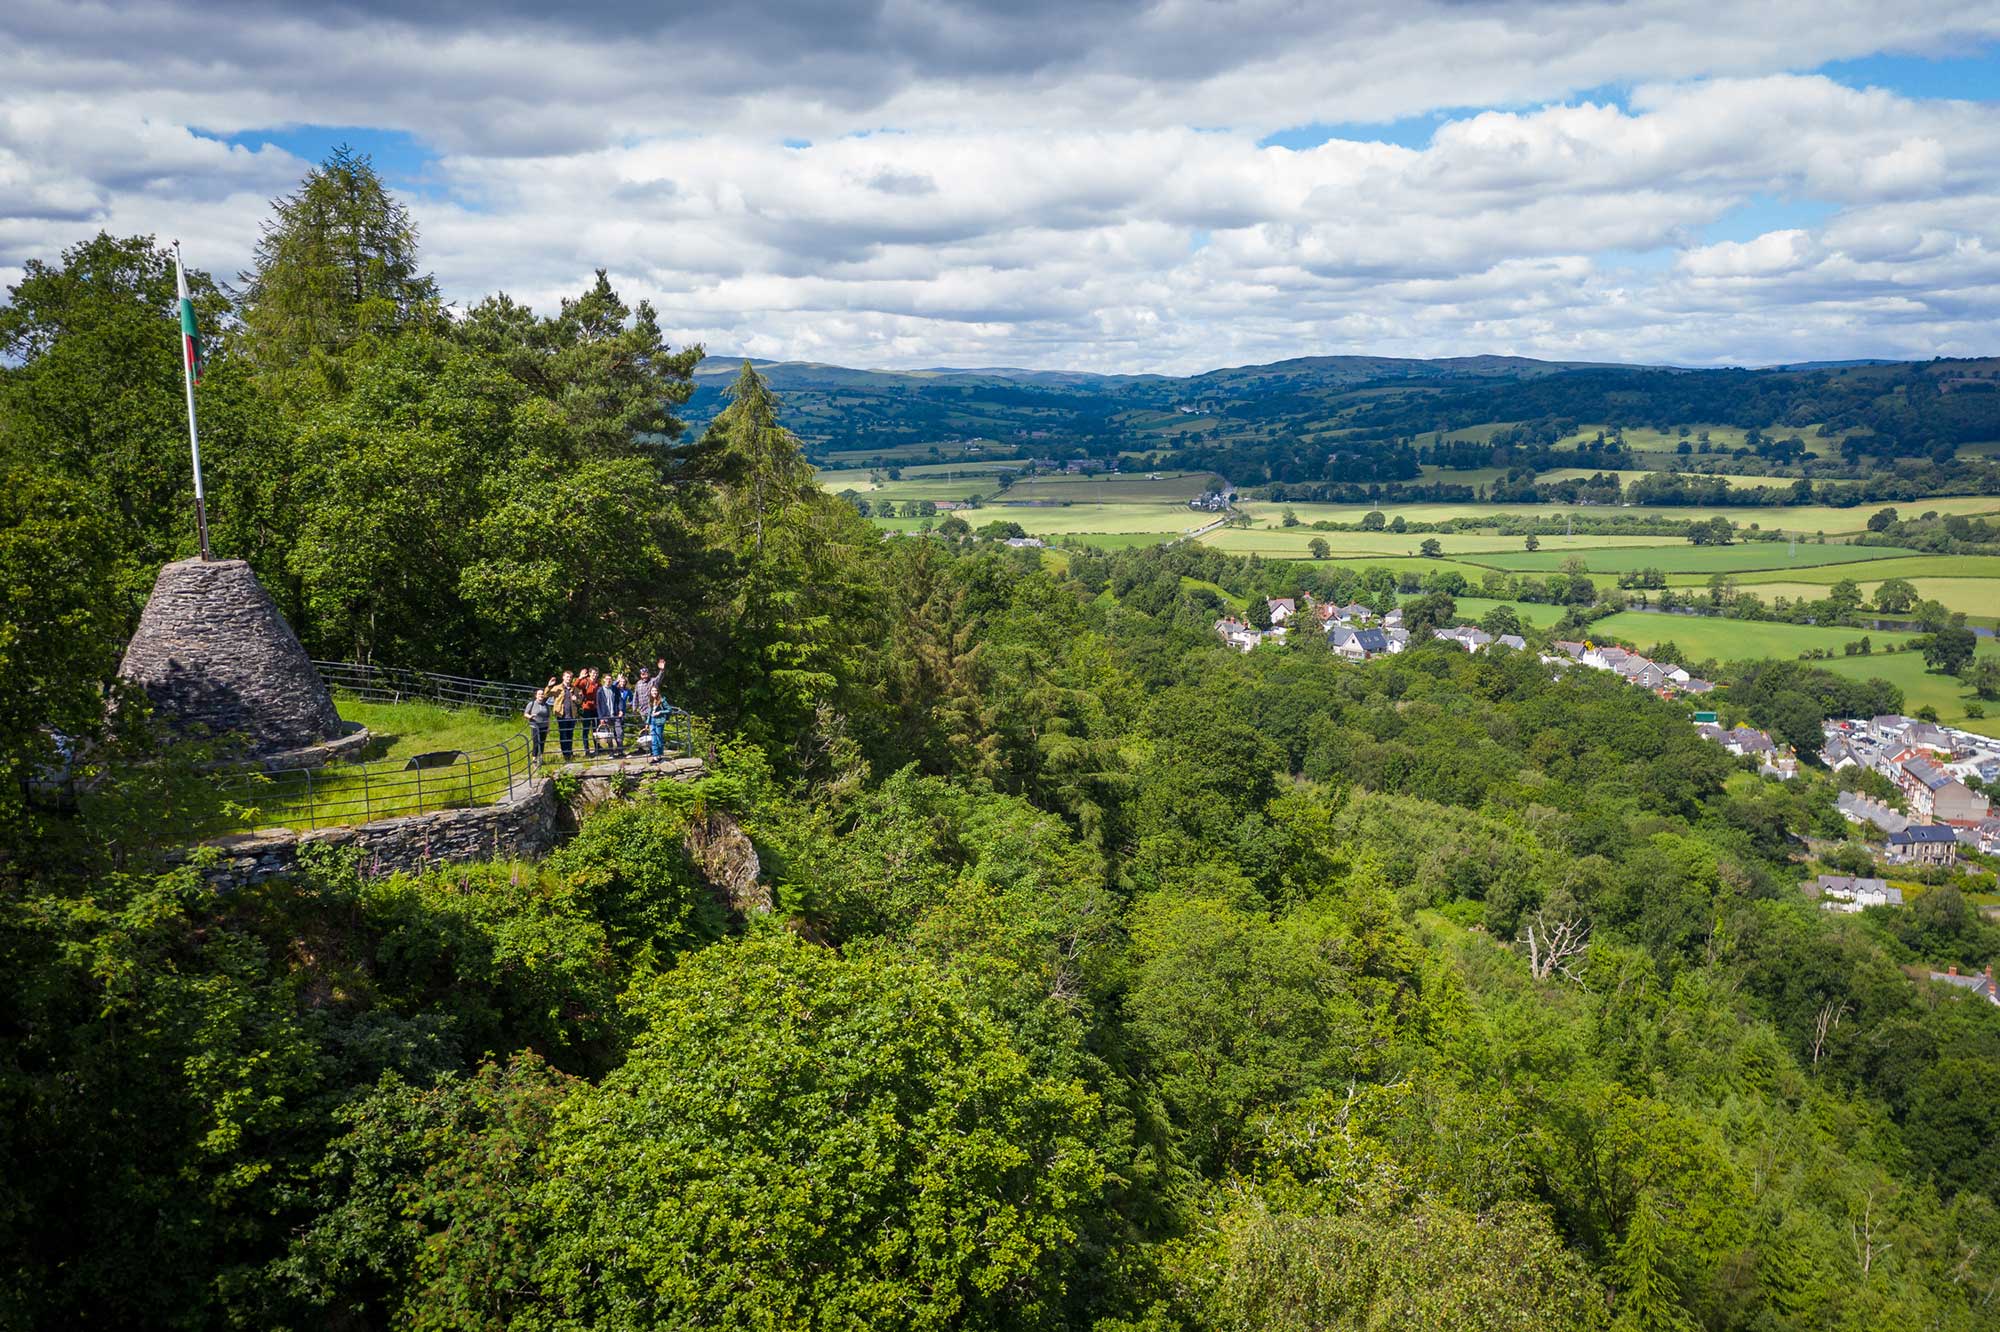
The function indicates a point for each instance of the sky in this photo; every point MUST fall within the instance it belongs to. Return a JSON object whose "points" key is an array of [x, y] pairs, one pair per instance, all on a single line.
{"points": [[1085, 185]]}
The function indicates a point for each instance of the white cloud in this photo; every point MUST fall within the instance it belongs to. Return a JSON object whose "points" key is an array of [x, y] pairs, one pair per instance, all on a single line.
{"points": [[993, 184]]}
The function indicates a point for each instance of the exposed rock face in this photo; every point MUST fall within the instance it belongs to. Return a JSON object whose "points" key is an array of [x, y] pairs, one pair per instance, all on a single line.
{"points": [[216, 657], [729, 862]]}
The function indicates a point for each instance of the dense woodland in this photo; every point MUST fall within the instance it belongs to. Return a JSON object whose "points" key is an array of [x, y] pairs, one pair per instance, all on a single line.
{"points": [[1117, 981]]}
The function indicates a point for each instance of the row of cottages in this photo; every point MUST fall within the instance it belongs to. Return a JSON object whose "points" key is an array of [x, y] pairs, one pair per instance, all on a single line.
{"points": [[1749, 742], [1662, 677], [1838, 892]]}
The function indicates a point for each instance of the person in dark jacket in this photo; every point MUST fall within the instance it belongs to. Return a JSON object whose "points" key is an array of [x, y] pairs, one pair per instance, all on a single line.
{"points": [[611, 707]]}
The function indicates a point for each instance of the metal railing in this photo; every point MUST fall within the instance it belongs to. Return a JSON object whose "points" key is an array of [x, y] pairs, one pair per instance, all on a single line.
{"points": [[343, 794], [393, 684]]}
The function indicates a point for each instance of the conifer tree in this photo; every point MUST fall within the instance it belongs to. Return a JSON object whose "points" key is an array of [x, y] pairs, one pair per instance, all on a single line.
{"points": [[338, 260]]}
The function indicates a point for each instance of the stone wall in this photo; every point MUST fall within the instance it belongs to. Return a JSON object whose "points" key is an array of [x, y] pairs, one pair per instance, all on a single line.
{"points": [[215, 657], [525, 826]]}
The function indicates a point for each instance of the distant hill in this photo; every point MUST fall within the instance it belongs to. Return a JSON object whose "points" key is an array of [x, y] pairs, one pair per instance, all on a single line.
{"points": [[1385, 420]]}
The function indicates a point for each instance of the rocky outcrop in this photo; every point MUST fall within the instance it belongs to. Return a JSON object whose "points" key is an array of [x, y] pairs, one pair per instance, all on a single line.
{"points": [[217, 659], [723, 853]]}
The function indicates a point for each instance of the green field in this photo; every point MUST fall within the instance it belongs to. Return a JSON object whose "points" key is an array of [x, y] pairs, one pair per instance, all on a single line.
{"points": [[1627, 476], [1806, 520], [1922, 688], [1123, 488], [1975, 567], [1296, 542], [1705, 636], [1975, 596], [1684, 558], [1118, 540], [1399, 564], [1528, 612], [1701, 638]]}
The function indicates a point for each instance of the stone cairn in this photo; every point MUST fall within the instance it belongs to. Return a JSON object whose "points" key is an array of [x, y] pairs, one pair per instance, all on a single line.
{"points": [[216, 658]]}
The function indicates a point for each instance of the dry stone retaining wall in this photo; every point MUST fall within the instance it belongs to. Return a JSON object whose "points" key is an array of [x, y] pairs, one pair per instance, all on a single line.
{"points": [[523, 826]]}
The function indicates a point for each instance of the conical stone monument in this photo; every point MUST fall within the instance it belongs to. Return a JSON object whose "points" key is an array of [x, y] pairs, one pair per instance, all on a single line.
{"points": [[216, 658]]}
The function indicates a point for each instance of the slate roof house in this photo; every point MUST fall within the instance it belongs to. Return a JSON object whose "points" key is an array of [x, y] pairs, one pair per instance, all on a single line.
{"points": [[1936, 796], [1858, 808], [1978, 983], [1358, 644], [1923, 844]]}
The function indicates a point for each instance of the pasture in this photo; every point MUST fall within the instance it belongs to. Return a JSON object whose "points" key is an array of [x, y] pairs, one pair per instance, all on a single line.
{"points": [[1707, 637], [1626, 476], [1804, 519], [1901, 566], [1293, 543], [1527, 612], [1979, 597], [1684, 558]]}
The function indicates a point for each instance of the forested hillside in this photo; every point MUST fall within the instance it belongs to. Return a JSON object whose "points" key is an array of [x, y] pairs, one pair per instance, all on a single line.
{"points": [[1357, 419], [1117, 981]]}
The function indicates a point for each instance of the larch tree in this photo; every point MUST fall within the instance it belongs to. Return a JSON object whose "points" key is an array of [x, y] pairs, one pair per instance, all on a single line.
{"points": [[337, 260]]}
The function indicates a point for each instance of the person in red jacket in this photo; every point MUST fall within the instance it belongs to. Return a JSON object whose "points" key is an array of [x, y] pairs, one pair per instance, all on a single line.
{"points": [[586, 709]]}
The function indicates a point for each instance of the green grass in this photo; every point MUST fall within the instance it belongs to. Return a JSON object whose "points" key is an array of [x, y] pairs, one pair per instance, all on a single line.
{"points": [[1921, 688], [1913, 567], [1118, 540], [1124, 488], [1170, 518], [1234, 603], [380, 786], [1296, 542], [1684, 558], [1704, 637], [400, 730], [1978, 597], [1805, 520], [1398, 564], [1527, 612], [1626, 476]]}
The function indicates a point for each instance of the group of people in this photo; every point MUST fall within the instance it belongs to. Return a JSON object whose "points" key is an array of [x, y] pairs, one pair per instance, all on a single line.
{"points": [[598, 706]]}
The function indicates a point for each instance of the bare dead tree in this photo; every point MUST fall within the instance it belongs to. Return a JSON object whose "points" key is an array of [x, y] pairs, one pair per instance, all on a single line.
{"points": [[1554, 946], [1866, 1250], [1824, 1025]]}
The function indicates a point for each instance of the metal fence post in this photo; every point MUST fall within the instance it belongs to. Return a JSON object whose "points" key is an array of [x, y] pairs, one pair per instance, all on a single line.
{"points": [[420, 790], [312, 809]]}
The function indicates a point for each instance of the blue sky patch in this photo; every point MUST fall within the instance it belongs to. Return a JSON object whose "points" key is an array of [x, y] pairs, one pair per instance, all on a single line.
{"points": [[403, 161], [1971, 77]]}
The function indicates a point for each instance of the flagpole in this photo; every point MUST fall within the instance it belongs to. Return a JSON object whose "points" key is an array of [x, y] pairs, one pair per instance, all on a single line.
{"points": [[194, 436]]}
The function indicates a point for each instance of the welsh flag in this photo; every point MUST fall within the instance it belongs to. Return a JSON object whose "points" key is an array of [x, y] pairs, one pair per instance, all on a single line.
{"points": [[190, 340]]}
